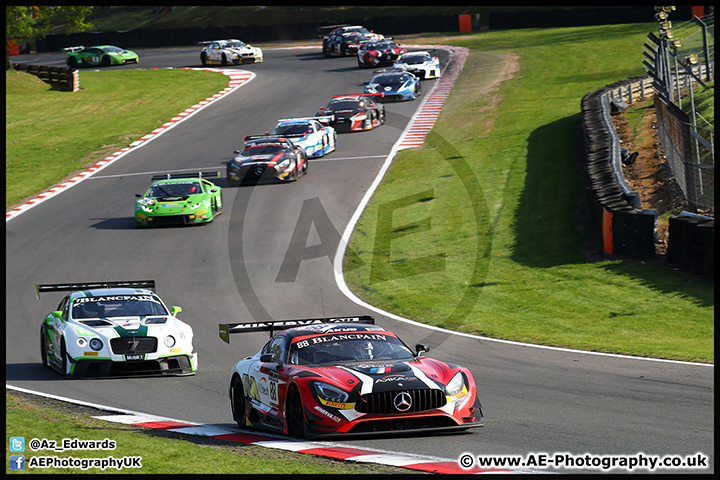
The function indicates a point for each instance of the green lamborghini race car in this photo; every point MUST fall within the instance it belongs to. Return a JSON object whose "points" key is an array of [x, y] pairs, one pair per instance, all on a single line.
{"points": [[179, 199], [102, 55]]}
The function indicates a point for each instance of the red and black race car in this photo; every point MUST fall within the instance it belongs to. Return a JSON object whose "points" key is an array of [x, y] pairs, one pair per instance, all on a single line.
{"points": [[344, 39], [267, 157], [346, 376], [354, 112], [379, 53], [343, 44]]}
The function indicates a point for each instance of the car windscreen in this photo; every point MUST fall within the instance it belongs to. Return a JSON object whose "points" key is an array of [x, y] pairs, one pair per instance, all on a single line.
{"points": [[390, 79], [414, 58], [107, 306], [180, 189], [262, 149], [336, 348], [235, 45], [113, 49], [337, 105], [292, 129]]}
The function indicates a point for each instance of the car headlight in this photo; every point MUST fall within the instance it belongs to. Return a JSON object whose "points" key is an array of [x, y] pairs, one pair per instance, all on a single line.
{"points": [[330, 393], [197, 205], [81, 342], [146, 201], [96, 344], [284, 164], [456, 385], [169, 341]]}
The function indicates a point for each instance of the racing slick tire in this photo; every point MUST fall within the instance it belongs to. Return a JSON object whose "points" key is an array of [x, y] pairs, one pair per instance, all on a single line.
{"points": [[63, 354], [297, 426], [203, 59], [237, 402], [43, 348], [224, 61], [105, 61], [72, 62]]}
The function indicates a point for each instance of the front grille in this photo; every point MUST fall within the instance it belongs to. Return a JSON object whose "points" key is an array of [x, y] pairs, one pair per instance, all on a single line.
{"points": [[384, 402], [132, 345], [166, 220]]}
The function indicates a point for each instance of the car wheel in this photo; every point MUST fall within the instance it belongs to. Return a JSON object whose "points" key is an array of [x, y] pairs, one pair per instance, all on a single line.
{"points": [[105, 61], [43, 347], [63, 354], [224, 60], [72, 62], [237, 402], [297, 426], [203, 59]]}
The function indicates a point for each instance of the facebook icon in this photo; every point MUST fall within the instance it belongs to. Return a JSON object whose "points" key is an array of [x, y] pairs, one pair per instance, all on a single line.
{"points": [[17, 462]]}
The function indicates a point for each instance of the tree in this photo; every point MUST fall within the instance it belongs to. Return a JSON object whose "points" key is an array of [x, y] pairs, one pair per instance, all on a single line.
{"points": [[23, 22]]}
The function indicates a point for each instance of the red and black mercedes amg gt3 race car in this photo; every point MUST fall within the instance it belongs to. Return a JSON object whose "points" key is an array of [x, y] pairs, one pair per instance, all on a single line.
{"points": [[354, 112], [346, 376]]}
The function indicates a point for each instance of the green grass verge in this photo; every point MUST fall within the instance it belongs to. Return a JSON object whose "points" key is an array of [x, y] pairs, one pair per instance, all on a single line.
{"points": [[478, 231], [161, 452], [50, 133]]}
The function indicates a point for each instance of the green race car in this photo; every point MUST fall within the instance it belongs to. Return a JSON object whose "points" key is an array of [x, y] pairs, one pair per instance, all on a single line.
{"points": [[103, 55], [179, 199]]}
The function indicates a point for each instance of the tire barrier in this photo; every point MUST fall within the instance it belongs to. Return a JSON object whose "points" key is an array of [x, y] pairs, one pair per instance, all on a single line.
{"points": [[62, 78], [627, 230], [691, 245]]}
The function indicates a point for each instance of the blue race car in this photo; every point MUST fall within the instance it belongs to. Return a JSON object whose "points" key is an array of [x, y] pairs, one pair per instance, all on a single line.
{"points": [[313, 134], [394, 85]]}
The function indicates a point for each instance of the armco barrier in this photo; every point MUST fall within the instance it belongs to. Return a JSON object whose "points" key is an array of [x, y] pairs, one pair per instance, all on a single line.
{"points": [[627, 230], [63, 78]]}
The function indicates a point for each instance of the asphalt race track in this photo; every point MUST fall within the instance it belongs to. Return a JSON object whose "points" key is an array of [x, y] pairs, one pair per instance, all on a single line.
{"points": [[535, 400]]}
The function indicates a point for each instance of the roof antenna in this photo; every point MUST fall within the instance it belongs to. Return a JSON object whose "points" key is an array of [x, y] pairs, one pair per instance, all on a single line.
{"points": [[322, 302]]}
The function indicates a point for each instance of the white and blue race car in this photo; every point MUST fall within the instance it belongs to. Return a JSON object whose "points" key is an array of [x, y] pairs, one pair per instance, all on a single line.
{"points": [[313, 134], [394, 84], [229, 52], [111, 329], [421, 64]]}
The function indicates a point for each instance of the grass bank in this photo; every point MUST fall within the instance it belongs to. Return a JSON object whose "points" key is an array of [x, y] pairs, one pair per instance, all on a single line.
{"points": [[50, 133], [478, 231]]}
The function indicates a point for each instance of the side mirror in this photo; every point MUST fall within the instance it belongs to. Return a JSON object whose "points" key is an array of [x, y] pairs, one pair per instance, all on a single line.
{"points": [[138, 195], [236, 152], [268, 358], [421, 348], [175, 310]]}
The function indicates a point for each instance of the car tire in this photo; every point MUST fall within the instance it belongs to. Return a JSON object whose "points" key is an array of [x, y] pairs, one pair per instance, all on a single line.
{"points": [[294, 415], [223, 61], [105, 61], [63, 354], [203, 59], [238, 402], [43, 348], [72, 62]]}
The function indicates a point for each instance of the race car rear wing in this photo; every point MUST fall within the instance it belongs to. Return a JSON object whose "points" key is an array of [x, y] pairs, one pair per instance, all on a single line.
{"points": [[73, 287], [321, 119], [274, 325], [74, 49], [165, 176], [380, 94]]}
